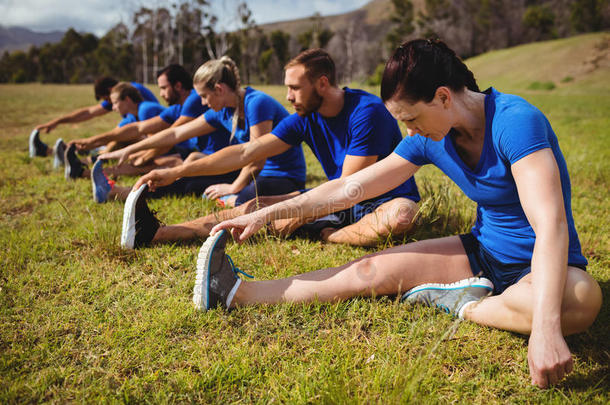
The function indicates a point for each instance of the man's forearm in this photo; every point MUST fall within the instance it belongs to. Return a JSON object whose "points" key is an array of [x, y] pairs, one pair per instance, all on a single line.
{"points": [[224, 161]]}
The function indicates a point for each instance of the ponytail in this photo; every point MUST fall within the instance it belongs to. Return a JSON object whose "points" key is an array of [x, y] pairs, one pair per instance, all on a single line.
{"points": [[223, 70]]}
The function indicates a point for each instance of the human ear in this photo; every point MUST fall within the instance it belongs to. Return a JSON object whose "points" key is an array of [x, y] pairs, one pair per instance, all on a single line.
{"points": [[443, 95], [322, 83]]}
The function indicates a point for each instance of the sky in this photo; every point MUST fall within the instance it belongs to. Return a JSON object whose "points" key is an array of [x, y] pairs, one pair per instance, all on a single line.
{"points": [[98, 16]]}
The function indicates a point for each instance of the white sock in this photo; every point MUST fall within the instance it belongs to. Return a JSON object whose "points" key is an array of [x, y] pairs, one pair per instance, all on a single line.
{"points": [[232, 293], [461, 311]]}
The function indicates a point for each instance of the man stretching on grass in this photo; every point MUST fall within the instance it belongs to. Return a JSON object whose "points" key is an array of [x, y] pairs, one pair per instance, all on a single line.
{"points": [[176, 88], [346, 129], [102, 87], [126, 101]]}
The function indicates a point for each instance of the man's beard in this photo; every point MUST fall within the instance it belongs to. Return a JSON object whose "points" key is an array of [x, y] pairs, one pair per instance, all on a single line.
{"points": [[311, 105], [173, 98]]}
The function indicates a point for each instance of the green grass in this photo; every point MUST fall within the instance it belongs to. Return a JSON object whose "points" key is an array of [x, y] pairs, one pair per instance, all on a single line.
{"points": [[83, 321]]}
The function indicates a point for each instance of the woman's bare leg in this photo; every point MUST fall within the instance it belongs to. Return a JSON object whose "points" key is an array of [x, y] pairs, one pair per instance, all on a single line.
{"points": [[391, 271], [512, 310]]}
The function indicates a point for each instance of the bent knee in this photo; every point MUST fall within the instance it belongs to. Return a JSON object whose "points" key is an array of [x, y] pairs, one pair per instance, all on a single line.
{"points": [[401, 215], [583, 300]]}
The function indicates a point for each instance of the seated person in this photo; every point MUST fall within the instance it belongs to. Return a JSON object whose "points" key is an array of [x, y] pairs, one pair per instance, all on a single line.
{"points": [[176, 88], [126, 101], [523, 249], [245, 112], [346, 129], [102, 87]]}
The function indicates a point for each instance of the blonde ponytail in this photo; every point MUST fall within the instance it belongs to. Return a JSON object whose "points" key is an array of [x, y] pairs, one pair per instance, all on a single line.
{"points": [[223, 70]]}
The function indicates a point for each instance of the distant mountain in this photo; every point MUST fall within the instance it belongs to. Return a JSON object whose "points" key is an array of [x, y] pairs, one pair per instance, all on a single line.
{"points": [[374, 14], [19, 38]]}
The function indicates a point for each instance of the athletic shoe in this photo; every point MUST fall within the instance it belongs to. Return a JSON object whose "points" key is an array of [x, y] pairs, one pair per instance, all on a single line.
{"points": [[37, 147], [99, 183], [58, 153], [74, 168], [453, 297], [217, 279], [139, 223]]}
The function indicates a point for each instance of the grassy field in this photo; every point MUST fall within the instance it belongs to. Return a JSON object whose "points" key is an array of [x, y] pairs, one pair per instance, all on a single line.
{"points": [[82, 320]]}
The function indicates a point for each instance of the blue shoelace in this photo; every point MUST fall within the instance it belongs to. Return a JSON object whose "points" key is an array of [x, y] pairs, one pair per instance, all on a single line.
{"points": [[236, 269]]}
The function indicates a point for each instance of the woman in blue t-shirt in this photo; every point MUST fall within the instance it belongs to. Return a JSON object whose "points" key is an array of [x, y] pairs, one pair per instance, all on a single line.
{"points": [[523, 249], [244, 112]]}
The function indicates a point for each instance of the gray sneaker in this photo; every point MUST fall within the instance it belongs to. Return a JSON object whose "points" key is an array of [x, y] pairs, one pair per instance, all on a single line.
{"points": [[58, 153], [217, 278], [36, 146], [450, 297], [139, 223]]}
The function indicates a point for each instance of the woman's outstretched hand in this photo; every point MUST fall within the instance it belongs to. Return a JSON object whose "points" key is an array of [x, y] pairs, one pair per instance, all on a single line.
{"points": [[241, 228]]}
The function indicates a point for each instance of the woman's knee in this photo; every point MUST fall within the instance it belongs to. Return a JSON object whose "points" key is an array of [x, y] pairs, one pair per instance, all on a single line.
{"points": [[583, 300], [369, 278], [401, 215]]}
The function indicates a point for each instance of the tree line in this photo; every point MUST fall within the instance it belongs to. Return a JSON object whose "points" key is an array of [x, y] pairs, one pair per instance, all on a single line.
{"points": [[187, 32]]}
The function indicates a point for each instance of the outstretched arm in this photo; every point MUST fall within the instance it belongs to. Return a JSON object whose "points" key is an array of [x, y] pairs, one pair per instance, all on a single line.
{"points": [[540, 193], [129, 132], [248, 172], [329, 197], [82, 114], [224, 161], [164, 139]]}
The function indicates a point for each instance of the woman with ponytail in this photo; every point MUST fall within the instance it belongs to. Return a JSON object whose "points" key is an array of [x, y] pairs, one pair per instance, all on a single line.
{"points": [[519, 269], [246, 114]]}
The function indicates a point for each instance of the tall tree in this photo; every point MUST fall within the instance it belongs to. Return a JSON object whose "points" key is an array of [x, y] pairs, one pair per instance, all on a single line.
{"points": [[402, 23]]}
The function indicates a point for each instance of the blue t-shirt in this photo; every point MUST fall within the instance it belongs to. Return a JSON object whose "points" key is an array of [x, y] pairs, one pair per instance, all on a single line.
{"points": [[144, 92], [146, 110], [364, 127], [259, 107], [193, 108], [171, 115], [513, 129]]}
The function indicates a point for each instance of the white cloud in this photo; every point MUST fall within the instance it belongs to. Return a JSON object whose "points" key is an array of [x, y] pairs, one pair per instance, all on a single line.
{"points": [[95, 16]]}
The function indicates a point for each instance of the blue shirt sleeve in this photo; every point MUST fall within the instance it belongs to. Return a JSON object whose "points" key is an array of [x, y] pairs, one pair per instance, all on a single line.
{"points": [[290, 130], [524, 131], [413, 149], [259, 110], [192, 106], [171, 113], [128, 119], [213, 118], [106, 105], [147, 110], [365, 124]]}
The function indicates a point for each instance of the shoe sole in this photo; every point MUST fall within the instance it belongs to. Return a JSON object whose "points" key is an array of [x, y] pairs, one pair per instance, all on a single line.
{"points": [[202, 279], [93, 185], [460, 285], [67, 166], [128, 232], [31, 142], [57, 161]]}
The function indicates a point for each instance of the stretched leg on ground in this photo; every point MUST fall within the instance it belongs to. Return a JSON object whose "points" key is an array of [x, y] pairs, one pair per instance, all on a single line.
{"points": [[201, 227], [388, 272]]}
